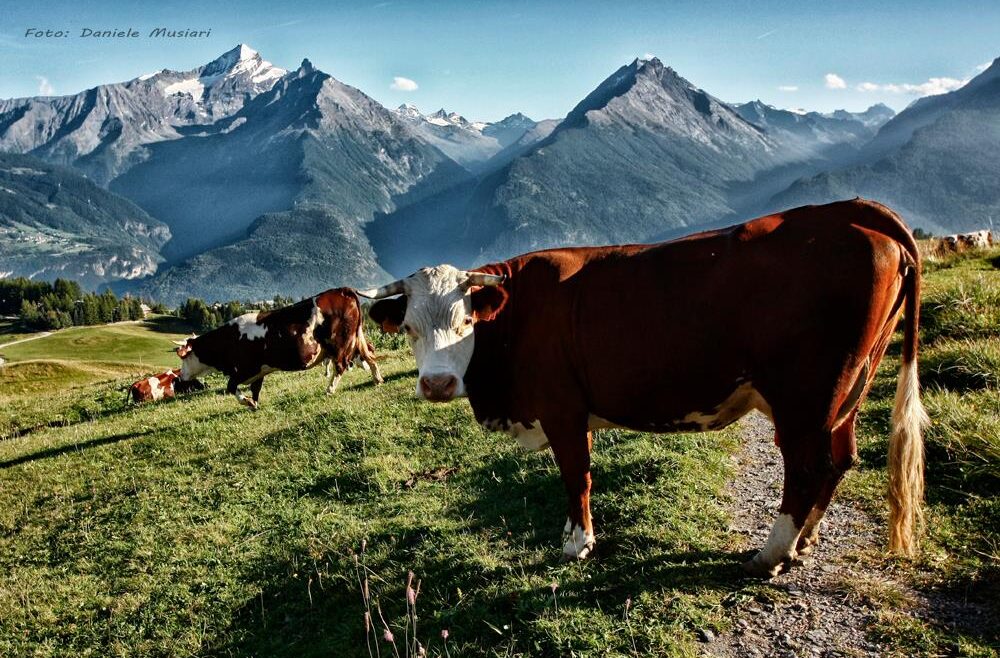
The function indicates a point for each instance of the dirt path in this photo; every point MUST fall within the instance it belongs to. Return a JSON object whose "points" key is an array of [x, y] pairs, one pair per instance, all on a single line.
{"points": [[25, 340], [812, 615]]}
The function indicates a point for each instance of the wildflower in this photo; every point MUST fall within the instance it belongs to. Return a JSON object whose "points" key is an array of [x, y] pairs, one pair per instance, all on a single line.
{"points": [[554, 586], [444, 633], [387, 636]]}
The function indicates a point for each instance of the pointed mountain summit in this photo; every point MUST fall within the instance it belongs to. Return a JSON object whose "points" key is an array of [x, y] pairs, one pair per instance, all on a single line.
{"points": [[644, 153], [470, 143], [804, 135], [273, 198], [102, 131]]}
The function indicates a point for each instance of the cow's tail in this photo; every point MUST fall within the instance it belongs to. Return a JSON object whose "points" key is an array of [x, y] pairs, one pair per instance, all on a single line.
{"points": [[906, 445]]}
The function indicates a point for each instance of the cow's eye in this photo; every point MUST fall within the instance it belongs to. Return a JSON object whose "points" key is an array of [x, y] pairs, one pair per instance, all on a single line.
{"points": [[468, 321]]}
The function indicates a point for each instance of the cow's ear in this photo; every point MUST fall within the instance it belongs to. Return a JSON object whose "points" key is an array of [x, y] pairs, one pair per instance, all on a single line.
{"points": [[389, 313], [487, 302]]}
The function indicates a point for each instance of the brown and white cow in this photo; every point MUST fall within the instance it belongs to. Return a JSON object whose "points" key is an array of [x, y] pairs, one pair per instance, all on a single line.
{"points": [[164, 385], [789, 314], [297, 337], [154, 387]]}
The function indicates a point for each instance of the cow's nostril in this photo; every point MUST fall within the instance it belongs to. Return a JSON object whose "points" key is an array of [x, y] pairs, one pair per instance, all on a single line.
{"points": [[438, 387]]}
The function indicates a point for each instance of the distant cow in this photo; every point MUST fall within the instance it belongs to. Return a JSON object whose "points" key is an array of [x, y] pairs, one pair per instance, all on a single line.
{"points": [[962, 242], [297, 337], [789, 314]]}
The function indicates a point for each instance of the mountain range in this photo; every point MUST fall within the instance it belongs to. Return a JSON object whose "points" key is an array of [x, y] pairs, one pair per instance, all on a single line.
{"points": [[239, 179]]}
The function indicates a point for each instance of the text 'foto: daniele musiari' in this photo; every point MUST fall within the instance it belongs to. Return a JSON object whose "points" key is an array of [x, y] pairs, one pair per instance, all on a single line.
{"points": [[118, 33]]}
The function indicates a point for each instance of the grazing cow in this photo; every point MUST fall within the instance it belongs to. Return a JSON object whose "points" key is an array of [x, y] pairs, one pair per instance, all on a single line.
{"points": [[297, 337], [158, 387], [961, 242], [788, 314]]}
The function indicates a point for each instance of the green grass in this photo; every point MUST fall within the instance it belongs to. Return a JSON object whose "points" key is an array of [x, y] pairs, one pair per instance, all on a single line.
{"points": [[194, 527], [960, 371]]}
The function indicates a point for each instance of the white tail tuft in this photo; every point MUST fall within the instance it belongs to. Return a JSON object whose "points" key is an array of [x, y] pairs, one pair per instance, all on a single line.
{"points": [[906, 462]]}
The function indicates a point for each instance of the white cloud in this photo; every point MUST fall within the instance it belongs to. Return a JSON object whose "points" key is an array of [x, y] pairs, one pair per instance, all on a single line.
{"points": [[648, 56], [982, 67], [403, 84], [787, 88], [766, 34], [45, 87], [932, 87], [834, 81]]}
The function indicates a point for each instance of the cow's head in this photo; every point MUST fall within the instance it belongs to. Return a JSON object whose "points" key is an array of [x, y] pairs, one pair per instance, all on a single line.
{"points": [[436, 309], [191, 365]]}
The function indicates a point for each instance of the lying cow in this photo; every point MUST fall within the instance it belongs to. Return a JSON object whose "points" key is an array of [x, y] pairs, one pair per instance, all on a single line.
{"points": [[296, 337], [163, 385], [788, 314]]}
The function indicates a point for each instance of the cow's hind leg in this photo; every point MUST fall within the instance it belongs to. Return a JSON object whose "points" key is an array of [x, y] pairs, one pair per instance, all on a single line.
{"points": [[845, 454], [808, 471]]}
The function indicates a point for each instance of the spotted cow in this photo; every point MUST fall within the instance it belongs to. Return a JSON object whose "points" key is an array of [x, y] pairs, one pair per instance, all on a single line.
{"points": [[788, 314], [297, 337]]}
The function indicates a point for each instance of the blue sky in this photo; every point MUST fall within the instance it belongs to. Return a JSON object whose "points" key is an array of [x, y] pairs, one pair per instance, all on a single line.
{"points": [[486, 59]]}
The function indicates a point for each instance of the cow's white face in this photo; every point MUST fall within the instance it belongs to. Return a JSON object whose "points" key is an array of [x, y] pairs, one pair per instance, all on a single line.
{"points": [[191, 366], [436, 312]]}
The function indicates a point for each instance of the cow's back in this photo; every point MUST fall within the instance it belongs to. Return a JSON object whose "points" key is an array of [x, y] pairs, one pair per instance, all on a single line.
{"points": [[603, 325]]}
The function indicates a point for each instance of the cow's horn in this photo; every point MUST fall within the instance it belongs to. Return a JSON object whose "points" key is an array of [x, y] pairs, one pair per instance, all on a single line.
{"points": [[394, 288], [179, 343], [482, 279]]}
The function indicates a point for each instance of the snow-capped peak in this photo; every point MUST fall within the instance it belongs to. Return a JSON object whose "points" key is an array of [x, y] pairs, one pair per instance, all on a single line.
{"points": [[242, 63], [246, 52], [441, 118]]}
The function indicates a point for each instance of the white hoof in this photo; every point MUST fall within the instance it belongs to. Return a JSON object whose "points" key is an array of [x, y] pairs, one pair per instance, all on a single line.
{"points": [[778, 551], [578, 544]]}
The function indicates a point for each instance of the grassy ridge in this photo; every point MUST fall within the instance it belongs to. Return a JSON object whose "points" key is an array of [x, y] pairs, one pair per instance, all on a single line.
{"points": [[80, 373]]}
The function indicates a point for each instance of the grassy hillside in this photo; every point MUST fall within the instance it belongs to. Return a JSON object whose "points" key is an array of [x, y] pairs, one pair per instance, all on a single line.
{"points": [[54, 380], [195, 527]]}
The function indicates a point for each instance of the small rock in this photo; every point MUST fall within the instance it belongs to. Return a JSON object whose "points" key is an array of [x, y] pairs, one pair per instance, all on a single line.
{"points": [[705, 635]]}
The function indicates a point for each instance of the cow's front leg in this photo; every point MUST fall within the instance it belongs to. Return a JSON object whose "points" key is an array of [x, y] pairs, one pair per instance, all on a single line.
{"points": [[233, 388], [572, 453], [255, 387], [328, 373]]}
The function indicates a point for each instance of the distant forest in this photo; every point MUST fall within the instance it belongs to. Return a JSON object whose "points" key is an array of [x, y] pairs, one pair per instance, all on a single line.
{"points": [[63, 303]]}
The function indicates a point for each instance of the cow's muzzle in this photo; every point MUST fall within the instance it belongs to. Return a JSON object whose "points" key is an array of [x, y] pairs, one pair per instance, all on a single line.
{"points": [[438, 388]]}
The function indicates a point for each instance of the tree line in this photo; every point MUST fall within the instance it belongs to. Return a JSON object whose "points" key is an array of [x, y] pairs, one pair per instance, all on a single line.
{"points": [[63, 303], [204, 317]]}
